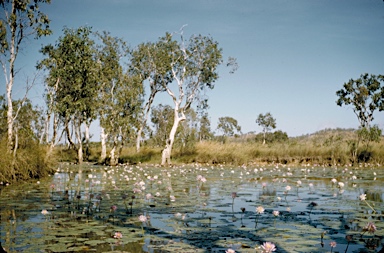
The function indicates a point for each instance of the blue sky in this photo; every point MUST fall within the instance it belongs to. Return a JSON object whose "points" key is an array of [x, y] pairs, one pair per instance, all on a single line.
{"points": [[293, 54]]}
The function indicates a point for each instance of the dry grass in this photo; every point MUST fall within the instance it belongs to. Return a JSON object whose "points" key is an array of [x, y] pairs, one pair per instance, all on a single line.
{"points": [[324, 148]]}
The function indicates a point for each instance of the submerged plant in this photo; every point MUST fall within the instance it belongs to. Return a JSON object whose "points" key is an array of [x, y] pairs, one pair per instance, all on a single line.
{"points": [[113, 210], [322, 238], [234, 195], [311, 206]]}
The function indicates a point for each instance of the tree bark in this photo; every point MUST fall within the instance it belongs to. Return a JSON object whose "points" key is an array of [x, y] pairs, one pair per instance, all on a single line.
{"points": [[142, 125], [166, 154], [13, 52], [103, 139], [80, 142], [112, 154], [87, 137]]}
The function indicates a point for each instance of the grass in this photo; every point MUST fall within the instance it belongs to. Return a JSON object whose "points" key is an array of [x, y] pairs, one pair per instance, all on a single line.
{"points": [[326, 148], [30, 162]]}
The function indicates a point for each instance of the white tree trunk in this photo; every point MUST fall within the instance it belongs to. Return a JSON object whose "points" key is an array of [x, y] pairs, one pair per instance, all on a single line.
{"points": [[103, 139], [138, 138], [80, 143], [87, 137], [143, 123], [112, 154], [54, 136], [166, 154]]}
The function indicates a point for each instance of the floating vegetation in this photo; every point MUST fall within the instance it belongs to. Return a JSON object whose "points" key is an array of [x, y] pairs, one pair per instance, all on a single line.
{"points": [[196, 209]]}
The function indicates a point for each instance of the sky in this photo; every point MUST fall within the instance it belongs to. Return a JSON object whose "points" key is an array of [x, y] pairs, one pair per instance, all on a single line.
{"points": [[293, 55]]}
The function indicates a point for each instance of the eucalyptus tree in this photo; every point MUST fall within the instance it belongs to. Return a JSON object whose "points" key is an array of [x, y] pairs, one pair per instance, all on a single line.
{"points": [[205, 132], [21, 19], [193, 66], [366, 95], [73, 80], [111, 52], [228, 126], [123, 114], [267, 122], [188, 133], [149, 62], [161, 118]]}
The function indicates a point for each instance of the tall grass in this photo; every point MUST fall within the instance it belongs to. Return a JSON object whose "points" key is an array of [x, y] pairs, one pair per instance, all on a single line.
{"points": [[324, 148], [30, 162]]}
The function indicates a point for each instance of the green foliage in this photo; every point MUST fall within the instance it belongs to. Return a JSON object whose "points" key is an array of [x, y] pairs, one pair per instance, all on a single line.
{"points": [[228, 126], [365, 94], [275, 137], [162, 120], [23, 18], [267, 122], [205, 132], [72, 62]]}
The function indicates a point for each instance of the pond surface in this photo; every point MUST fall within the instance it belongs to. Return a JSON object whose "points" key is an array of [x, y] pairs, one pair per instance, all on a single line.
{"points": [[196, 208]]}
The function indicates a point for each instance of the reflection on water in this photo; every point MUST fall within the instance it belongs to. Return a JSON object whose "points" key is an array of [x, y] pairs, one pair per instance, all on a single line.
{"points": [[195, 209]]}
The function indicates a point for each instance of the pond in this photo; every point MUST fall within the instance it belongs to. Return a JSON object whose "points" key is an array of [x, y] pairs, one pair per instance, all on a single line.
{"points": [[196, 208]]}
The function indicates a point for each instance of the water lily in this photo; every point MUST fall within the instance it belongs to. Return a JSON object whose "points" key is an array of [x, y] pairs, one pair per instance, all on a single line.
{"points": [[333, 245], [275, 214], [44, 212], [259, 211], [363, 197], [230, 251], [143, 218], [113, 208], [118, 235], [268, 247], [370, 228]]}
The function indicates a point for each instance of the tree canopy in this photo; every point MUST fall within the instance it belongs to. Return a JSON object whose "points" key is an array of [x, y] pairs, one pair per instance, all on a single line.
{"points": [[267, 122], [365, 94]]}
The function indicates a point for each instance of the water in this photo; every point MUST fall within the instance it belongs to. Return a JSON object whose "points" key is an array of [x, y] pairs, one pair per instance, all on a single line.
{"points": [[88, 211]]}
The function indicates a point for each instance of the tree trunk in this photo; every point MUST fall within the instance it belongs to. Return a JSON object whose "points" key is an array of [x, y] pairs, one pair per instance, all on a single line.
{"points": [[80, 142], [166, 154], [87, 151], [113, 160], [103, 139], [264, 133], [13, 52], [54, 136], [68, 133], [147, 109]]}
